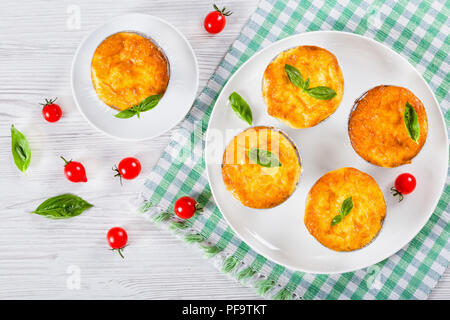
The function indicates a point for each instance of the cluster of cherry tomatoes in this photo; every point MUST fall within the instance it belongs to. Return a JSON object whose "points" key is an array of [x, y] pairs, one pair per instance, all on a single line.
{"points": [[128, 168], [185, 208]]}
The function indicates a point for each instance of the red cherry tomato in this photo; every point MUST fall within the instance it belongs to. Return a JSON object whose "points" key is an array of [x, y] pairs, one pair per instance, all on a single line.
{"points": [[117, 239], [74, 171], [215, 20], [185, 207], [51, 111], [404, 184], [128, 168]]}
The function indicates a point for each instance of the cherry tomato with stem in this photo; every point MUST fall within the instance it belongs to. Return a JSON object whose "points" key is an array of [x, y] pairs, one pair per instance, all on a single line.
{"points": [[215, 20], [128, 168], [51, 111], [404, 184], [74, 171], [185, 207], [117, 239]]}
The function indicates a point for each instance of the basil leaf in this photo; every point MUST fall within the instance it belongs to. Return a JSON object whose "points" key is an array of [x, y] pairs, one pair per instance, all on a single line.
{"points": [[347, 206], [149, 102], [264, 158], [321, 93], [62, 207], [412, 122], [306, 85], [20, 149], [241, 107], [145, 105], [125, 114], [294, 75], [336, 220]]}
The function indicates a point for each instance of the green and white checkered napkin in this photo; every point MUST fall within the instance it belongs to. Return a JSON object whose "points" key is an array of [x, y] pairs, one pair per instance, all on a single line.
{"points": [[418, 30]]}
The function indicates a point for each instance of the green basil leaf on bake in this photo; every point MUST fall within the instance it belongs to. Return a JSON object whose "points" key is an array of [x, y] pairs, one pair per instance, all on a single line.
{"points": [[241, 107], [321, 93], [145, 105], [296, 78], [306, 85], [62, 207], [149, 102], [294, 75], [125, 114], [263, 158], [336, 220], [412, 122], [20, 149], [346, 207]]}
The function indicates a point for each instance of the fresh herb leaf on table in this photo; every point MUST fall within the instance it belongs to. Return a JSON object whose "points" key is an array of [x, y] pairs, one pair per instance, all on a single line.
{"points": [[62, 207], [20, 148]]}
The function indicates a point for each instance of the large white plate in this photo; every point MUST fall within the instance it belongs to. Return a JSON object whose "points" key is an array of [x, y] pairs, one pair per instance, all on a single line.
{"points": [[175, 103], [279, 233]]}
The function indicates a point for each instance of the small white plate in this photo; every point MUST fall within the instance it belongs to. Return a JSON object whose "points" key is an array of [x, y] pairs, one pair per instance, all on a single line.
{"points": [[280, 233], [175, 103]]}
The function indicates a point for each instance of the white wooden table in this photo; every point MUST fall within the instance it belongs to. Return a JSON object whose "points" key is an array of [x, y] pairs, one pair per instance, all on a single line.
{"points": [[41, 258]]}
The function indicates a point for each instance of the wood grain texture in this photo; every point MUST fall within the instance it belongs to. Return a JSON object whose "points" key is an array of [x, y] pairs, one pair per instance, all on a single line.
{"points": [[38, 255]]}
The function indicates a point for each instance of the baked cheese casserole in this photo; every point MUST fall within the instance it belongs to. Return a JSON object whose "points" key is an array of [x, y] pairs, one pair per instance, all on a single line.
{"points": [[256, 185], [377, 127], [357, 226], [127, 68], [289, 103]]}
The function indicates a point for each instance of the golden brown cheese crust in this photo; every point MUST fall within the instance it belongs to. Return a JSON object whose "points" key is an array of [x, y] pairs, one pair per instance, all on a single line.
{"points": [[363, 222], [289, 103], [127, 68], [256, 186], [377, 128]]}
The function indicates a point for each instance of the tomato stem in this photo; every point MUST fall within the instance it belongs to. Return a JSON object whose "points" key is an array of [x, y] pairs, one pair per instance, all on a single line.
{"points": [[395, 193], [119, 250], [115, 169], [199, 207], [66, 162], [48, 101], [223, 11]]}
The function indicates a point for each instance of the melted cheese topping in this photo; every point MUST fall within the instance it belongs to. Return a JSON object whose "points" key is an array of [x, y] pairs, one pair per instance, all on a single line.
{"points": [[377, 128], [363, 222], [256, 186], [291, 104], [127, 68]]}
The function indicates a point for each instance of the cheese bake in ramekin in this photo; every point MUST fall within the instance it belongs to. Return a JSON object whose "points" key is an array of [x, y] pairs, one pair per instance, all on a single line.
{"points": [[325, 200], [127, 68], [253, 184], [377, 127], [292, 105]]}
